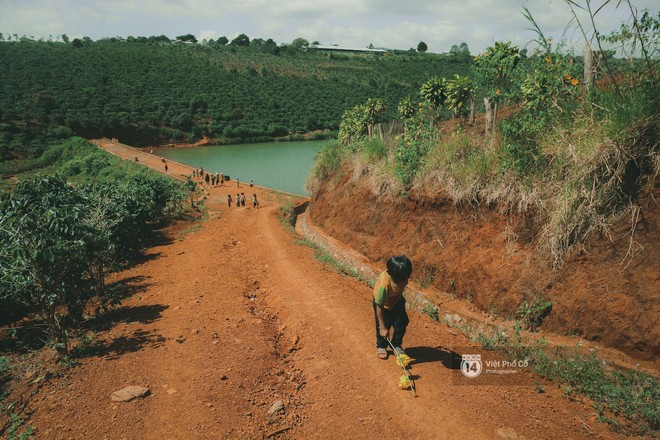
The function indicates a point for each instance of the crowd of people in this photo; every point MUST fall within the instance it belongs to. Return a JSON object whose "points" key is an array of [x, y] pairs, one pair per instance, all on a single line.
{"points": [[213, 180]]}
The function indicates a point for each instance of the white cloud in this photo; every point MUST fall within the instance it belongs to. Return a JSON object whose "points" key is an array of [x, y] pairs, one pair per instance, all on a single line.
{"points": [[387, 23]]}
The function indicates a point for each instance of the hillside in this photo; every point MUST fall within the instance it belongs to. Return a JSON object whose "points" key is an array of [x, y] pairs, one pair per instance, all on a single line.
{"points": [[151, 92]]}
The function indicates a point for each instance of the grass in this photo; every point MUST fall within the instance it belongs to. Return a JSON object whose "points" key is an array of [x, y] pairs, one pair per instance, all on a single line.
{"points": [[287, 215], [627, 400], [532, 314], [432, 311], [329, 262]]}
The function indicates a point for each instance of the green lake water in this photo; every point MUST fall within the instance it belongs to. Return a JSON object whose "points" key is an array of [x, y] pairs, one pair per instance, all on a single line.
{"points": [[282, 166]]}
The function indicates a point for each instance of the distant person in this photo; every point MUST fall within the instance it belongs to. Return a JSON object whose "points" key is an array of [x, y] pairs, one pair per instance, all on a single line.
{"points": [[255, 202], [251, 183], [238, 200], [243, 200], [207, 179], [222, 179], [151, 151], [166, 168], [390, 305], [136, 159], [229, 200], [238, 183]]}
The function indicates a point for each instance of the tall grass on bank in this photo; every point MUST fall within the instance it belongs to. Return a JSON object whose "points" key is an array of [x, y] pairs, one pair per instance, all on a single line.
{"points": [[580, 172]]}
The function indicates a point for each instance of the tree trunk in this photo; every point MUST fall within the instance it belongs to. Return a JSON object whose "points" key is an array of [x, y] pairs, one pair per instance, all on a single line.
{"points": [[381, 132], [488, 113], [471, 110], [588, 68]]}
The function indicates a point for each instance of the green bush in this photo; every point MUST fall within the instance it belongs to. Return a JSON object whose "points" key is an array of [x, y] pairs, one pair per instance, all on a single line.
{"points": [[327, 160]]}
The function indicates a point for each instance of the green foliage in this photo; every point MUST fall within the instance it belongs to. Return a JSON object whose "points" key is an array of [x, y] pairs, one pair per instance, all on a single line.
{"points": [[434, 91], [5, 368], [372, 150], [631, 395], [617, 396], [411, 150], [460, 92], [353, 125], [161, 90], [494, 70], [327, 160], [432, 311], [406, 108], [59, 240], [16, 424], [521, 151], [531, 315], [329, 262]]}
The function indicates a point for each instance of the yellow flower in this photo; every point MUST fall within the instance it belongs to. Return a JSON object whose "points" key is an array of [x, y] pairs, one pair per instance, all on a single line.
{"points": [[404, 382], [548, 60], [568, 77], [402, 360], [476, 58], [575, 81], [497, 92]]}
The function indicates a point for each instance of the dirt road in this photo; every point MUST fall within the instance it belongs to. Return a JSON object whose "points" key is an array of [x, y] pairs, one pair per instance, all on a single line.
{"points": [[230, 316]]}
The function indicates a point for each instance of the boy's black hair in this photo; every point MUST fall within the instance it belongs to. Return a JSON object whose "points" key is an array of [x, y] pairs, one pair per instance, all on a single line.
{"points": [[399, 268]]}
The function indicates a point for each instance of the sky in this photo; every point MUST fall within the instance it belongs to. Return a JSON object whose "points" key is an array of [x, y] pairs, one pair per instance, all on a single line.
{"points": [[392, 24]]}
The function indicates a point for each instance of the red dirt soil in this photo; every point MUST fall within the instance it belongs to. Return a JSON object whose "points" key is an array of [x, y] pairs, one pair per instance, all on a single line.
{"points": [[230, 315], [597, 294]]}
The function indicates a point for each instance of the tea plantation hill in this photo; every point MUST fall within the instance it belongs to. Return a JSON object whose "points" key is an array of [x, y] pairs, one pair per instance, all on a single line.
{"points": [[150, 90]]}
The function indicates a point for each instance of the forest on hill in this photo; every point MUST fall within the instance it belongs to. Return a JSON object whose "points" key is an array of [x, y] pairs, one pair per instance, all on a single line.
{"points": [[150, 90]]}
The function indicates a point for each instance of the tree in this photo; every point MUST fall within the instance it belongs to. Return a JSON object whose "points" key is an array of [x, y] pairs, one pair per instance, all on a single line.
{"points": [[434, 91], [460, 93], [187, 37], [422, 47], [299, 44], [241, 41], [494, 70], [406, 108], [43, 258], [374, 107], [353, 124], [222, 41]]}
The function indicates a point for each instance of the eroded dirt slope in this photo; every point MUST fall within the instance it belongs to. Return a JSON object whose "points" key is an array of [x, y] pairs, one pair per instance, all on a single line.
{"points": [[493, 260]]}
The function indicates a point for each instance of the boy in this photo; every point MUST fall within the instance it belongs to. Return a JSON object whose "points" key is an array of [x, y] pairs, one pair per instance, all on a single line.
{"points": [[390, 305]]}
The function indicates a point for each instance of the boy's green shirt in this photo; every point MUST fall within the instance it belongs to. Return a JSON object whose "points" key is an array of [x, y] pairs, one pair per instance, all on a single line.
{"points": [[386, 292]]}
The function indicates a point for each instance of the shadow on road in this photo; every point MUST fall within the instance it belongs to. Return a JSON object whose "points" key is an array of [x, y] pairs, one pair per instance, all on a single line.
{"points": [[137, 340], [126, 287], [450, 359]]}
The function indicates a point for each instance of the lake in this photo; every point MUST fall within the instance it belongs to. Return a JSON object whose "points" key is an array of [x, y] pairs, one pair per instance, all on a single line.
{"points": [[282, 166]]}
